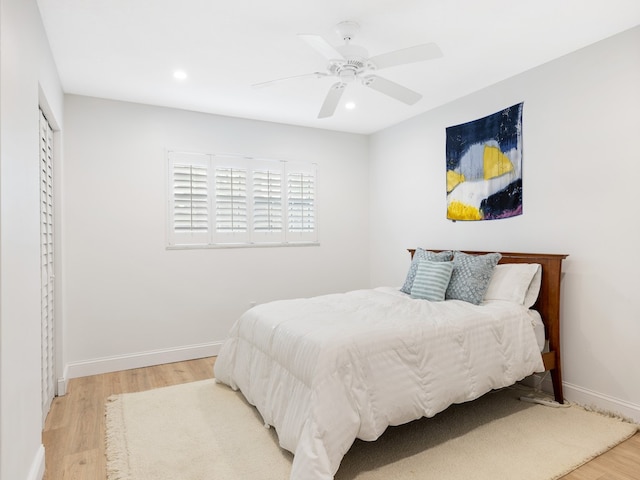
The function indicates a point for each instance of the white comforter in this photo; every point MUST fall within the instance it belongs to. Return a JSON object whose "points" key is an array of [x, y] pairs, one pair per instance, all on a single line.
{"points": [[327, 370]]}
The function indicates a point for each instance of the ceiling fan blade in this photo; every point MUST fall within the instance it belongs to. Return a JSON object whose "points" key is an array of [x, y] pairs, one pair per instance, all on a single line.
{"points": [[391, 89], [278, 80], [323, 47], [332, 99], [418, 53]]}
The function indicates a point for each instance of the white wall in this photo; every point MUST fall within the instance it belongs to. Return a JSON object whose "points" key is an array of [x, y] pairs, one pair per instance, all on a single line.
{"points": [[581, 169], [129, 300], [28, 77]]}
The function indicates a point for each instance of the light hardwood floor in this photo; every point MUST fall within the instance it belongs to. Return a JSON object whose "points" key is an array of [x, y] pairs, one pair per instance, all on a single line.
{"points": [[74, 431]]}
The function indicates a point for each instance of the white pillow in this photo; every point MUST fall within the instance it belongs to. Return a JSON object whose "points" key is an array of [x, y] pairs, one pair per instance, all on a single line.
{"points": [[515, 282], [534, 288]]}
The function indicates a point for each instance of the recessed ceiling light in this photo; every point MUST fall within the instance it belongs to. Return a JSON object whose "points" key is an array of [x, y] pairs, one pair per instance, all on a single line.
{"points": [[179, 75], [350, 105]]}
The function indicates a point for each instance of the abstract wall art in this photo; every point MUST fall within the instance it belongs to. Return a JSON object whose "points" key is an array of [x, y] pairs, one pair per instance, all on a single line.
{"points": [[484, 167]]}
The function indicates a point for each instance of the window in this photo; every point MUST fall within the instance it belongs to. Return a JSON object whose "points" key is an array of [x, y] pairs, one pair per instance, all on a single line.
{"points": [[228, 200]]}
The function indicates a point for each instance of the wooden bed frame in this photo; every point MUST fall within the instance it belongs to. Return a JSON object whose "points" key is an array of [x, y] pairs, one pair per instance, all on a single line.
{"points": [[548, 304]]}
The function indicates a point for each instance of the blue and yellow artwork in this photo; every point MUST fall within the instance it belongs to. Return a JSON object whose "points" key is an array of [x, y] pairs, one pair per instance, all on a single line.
{"points": [[484, 167]]}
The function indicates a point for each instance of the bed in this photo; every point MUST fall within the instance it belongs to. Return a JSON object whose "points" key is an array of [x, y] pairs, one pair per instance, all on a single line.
{"points": [[327, 370]]}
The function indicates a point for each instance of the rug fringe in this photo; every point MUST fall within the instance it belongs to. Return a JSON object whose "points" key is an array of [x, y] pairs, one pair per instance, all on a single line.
{"points": [[116, 434], [607, 413], [588, 408]]}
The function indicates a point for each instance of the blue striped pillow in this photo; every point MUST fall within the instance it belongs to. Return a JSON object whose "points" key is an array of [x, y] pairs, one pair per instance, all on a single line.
{"points": [[431, 281], [420, 255]]}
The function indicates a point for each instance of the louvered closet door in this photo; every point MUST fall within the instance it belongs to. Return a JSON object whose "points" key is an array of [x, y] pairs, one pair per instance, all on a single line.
{"points": [[46, 262]]}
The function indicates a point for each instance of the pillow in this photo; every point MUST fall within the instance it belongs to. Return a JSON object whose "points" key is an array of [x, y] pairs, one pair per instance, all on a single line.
{"points": [[512, 282], [421, 254], [534, 289], [431, 280], [471, 276]]}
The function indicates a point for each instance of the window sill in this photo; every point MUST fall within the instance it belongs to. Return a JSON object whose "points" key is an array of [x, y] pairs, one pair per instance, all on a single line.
{"points": [[242, 245]]}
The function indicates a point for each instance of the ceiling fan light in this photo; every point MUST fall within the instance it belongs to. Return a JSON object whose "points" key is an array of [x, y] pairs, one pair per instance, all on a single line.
{"points": [[347, 75]]}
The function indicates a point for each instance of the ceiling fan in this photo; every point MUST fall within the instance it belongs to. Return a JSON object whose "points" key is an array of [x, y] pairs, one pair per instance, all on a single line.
{"points": [[351, 62]]}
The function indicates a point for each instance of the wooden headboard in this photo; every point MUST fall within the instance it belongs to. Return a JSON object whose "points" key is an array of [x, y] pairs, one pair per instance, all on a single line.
{"points": [[548, 304]]}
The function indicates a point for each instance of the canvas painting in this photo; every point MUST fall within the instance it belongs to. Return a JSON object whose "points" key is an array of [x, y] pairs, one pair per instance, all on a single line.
{"points": [[484, 167]]}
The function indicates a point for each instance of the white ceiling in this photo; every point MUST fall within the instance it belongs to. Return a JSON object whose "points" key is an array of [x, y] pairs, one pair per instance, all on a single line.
{"points": [[128, 50]]}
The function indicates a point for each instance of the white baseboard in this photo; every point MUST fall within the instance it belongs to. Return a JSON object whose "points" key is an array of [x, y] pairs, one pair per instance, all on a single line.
{"points": [[36, 472], [601, 402], [136, 360], [61, 388], [588, 398]]}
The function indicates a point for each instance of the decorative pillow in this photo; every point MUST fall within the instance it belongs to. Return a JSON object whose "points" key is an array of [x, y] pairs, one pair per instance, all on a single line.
{"points": [[431, 280], [512, 282], [421, 254], [471, 276]]}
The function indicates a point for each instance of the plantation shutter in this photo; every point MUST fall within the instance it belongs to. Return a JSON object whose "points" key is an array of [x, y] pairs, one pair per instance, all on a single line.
{"points": [[229, 200], [231, 215], [267, 199], [301, 203], [190, 208], [190, 202]]}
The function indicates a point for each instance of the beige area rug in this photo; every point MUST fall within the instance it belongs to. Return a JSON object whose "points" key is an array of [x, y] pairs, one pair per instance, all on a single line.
{"points": [[204, 430]]}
